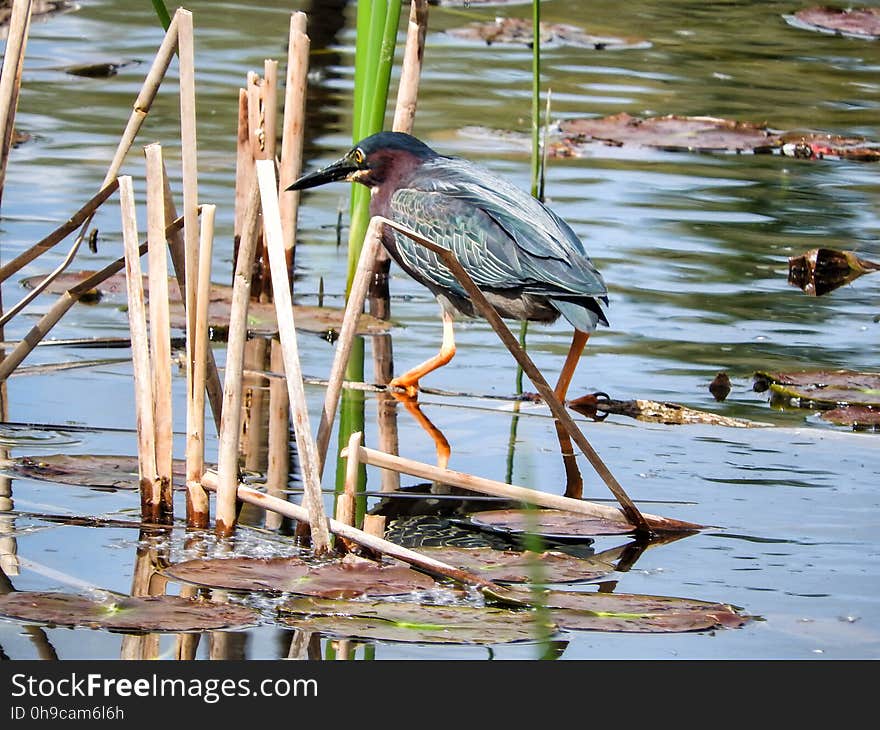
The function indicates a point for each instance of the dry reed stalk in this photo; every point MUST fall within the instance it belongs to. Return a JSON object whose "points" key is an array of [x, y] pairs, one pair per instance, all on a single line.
{"points": [[308, 455], [376, 544], [557, 408], [411, 68], [244, 171], [197, 504], [10, 80], [190, 172], [160, 325], [63, 304], [146, 96], [60, 233], [230, 423], [176, 247], [353, 307], [293, 126], [375, 525], [508, 491], [141, 108], [347, 499], [269, 97], [140, 355], [278, 469]]}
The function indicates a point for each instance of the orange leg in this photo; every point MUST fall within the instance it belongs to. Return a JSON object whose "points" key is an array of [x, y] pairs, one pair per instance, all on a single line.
{"points": [[578, 343], [574, 483], [410, 379]]}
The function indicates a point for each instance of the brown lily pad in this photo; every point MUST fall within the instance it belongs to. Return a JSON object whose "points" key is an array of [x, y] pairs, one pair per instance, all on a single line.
{"points": [[821, 388], [549, 523], [593, 611], [520, 31], [85, 470], [819, 145], [261, 315], [131, 614], [509, 566], [859, 418], [411, 622], [823, 270], [856, 22], [347, 578], [671, 132]]}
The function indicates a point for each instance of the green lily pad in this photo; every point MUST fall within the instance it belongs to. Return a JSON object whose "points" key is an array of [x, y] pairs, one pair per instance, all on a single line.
{"points": [[85, 470], [636, 613], [550, 523], [510, 566], [821, 388], [346, 578], [387, 621], [130, 614]]}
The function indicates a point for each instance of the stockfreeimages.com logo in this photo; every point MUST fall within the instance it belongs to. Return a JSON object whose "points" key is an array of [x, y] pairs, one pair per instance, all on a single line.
{"points": [[97, 686]]}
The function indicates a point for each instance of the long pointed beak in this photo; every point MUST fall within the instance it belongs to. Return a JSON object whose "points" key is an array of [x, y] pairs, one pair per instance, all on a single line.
{"points": [[339, 170]]}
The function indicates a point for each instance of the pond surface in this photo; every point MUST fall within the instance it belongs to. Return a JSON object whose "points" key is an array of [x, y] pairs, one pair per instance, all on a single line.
{"points": [[694, 249]]}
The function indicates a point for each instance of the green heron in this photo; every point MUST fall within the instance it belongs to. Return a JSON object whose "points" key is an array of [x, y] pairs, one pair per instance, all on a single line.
{"points": [[526, 260]]}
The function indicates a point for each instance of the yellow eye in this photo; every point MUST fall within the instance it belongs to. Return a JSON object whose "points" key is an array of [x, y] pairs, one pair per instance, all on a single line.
{"points": [[359, 156]]}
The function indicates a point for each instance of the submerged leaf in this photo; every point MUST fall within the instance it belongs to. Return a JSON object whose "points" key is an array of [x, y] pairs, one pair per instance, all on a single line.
{"points": [[521, 31], [636, 613], [397, 621], [132, 613], [549, 523], [671, 132], [261, 315], [85, 470], [858, 22], [508, 566], [346, 578]]}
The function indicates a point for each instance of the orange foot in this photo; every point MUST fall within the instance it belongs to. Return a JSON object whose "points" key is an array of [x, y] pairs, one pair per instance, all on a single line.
{"points": [[411, 387]]}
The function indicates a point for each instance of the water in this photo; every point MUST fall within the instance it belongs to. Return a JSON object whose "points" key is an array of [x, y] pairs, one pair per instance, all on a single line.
{"points": [[694, 249]]}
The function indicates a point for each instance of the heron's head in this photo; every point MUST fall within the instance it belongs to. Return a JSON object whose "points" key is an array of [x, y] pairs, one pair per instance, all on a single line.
{"points": [[371, 161]]}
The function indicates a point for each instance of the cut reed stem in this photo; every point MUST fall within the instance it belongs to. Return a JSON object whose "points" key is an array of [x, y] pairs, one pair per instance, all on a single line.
{"points": [[306, 448], [160, 326], [140, 355], [230, 423]]}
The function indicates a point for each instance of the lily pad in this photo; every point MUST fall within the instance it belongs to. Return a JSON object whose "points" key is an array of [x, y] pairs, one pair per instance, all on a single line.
{"points": [[131, 614], [818, 145], [856, 22], [595, 611], [261, 315], [549, 523], [671, 132], [410, 622], [85, 470], [859, 418], [520, 31], [347, 578], [509, 566], [821, 388]]}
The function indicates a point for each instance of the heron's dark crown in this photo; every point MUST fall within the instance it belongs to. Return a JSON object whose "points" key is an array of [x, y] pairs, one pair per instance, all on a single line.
{"points": [[393, 142]]}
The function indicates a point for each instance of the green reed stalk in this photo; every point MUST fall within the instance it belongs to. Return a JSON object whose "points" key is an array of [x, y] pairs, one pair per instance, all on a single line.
{"points": [[162, 12], [377, 24]]}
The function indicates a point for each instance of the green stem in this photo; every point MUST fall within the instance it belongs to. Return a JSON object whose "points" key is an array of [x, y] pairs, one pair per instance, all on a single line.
{"points": [[162, 12]]}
